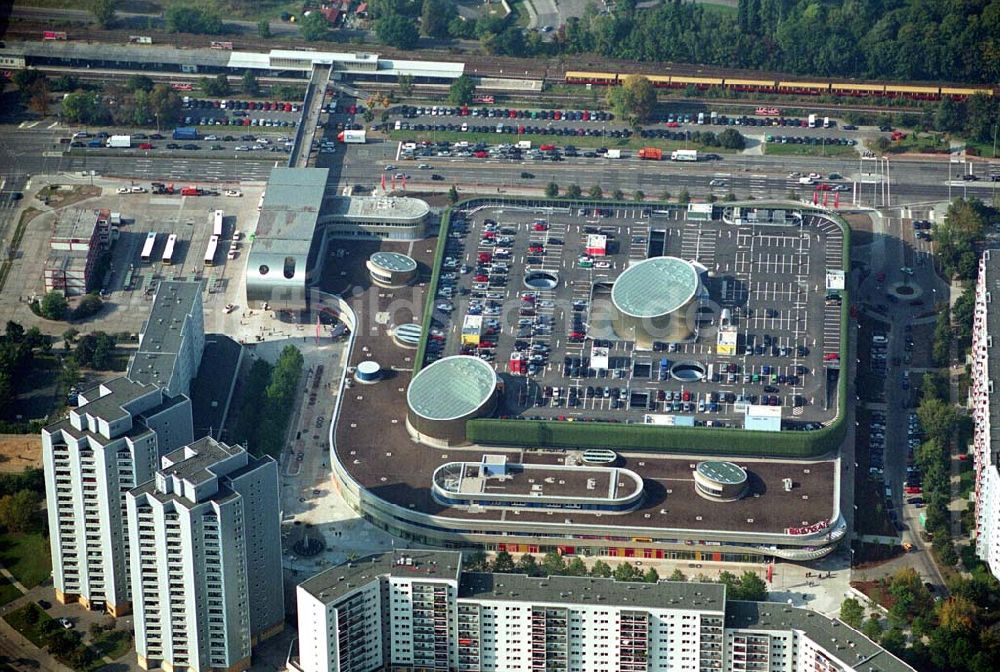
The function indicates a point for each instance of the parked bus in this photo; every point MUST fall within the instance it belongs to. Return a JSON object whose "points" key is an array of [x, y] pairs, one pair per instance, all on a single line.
{"points": [[168, 252], [217, 223], [213, 244], [147, 248]]}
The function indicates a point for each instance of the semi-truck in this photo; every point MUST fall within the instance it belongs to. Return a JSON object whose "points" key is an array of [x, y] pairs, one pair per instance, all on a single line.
{"points": [[684, 155], [120, 141], [185, 133], [351, 137], [651, 153], [812, 121], [191, 191]]}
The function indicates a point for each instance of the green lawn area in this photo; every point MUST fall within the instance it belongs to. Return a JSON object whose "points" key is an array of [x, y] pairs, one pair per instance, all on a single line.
{"points": [[983, 149], [580, 142], [8, 593], [26, 556], [778, 149], [113, 644], [923, 143], [33, 631]]}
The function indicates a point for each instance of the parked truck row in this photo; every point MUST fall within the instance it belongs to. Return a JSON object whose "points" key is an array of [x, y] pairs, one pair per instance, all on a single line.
{"points": [[656, 154]]}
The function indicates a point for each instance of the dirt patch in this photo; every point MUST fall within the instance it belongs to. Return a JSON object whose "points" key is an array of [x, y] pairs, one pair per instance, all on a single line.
{"points": [[59, 196], [19, 451], [876, 591]]}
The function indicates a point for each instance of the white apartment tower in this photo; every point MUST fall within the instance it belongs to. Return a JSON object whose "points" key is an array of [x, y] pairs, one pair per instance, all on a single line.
{"points": [[107, 445], [206, 538], [416, 610], [112, 442], [984, 398]]}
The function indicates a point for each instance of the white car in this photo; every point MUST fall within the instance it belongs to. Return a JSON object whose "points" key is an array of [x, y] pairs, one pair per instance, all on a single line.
{"points": [[124, 190], [234, 192], [138, 190], [717, 183], [602, 264], [815, 176]]}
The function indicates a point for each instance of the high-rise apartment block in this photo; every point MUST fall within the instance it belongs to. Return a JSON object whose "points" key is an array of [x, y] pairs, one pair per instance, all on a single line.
{"points": [[984, 398], [112, 442], [418, 610], [206, 547]]}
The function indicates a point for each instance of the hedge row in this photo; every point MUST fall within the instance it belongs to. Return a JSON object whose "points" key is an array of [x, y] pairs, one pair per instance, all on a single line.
{"points": [[653, 438], [429, 300]]}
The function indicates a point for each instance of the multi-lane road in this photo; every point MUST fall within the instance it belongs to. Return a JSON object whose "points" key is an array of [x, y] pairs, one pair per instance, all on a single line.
{"points": [[36, 150]]}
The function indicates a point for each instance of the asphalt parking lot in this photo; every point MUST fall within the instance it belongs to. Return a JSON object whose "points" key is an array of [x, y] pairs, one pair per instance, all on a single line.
{"points": [[769, 280]]}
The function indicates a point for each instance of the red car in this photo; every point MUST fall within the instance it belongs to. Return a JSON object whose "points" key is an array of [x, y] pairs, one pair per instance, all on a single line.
{"points": [[482, 278], [539, 226], [557, 115], [480, 154], [536, 249], [673, 124], [913, 490], [485, 257], [547, 148], [824, 187], [831, 357], [686, 395], [577, 335]]}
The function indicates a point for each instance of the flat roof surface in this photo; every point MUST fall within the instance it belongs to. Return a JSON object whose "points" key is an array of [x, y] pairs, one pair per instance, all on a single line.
{"points": [[292, 202], [844, 642], [192, 461], [451, 387], [162, 334], [576, 590], [726, 473], [92, 51], [365, 433], [393, 261], [332, 584], [543, 481], [374, 208], [655, 287], [992, 271]]}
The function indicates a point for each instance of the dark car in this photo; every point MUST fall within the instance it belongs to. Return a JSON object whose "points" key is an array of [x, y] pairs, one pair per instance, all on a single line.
{"points": [[191, 146], [173, 145], [437, 178]]}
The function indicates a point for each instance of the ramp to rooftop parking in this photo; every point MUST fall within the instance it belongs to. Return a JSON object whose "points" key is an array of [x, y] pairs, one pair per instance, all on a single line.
{"points": [[311, 106]]}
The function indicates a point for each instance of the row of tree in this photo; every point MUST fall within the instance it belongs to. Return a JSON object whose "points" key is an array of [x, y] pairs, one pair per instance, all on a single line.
{"points": [[957, 236], [747, 586], [269, 393], [18, 348]]}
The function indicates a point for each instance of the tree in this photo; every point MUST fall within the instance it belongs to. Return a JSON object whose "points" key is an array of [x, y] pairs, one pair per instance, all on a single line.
{"points": [[731, 139], [54, 306], [90, 304], [639, 195], [435, 16], [190, 19], [139, 83], [405, 84], [625, 571], [264, 29], [596, 192], [576, 567], [217, 87], [957, 614], [69, 336], [314, 27], [103, 11], [684, 197], [461, 28], [938, 418], [573, 191], [872, 628], [67, 82], [894, 640], [528, 565], [651, 576], [70, 373], [665, 195], [462, 90], [553, 564], [24, 79], [551, 190], [677, 575], [19, 511], [617, 195], [39, 98], [249, 83], [729, 198], [601, 569], [852, 613], [634, 100], [453, 195], [397, 31], [503, 563], [476, 562], [166, 104]]}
